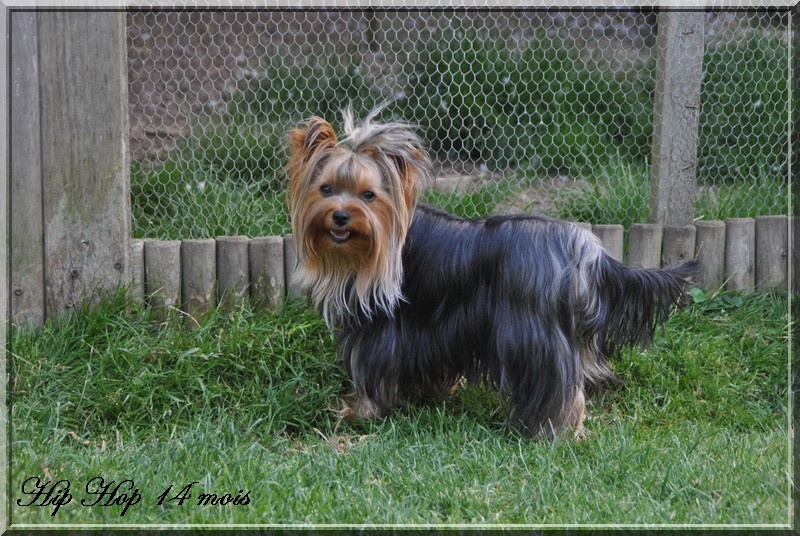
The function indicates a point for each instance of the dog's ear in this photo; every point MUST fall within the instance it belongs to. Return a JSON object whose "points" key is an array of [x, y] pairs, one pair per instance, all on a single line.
{"points": [[306, 142], [411, 168]]}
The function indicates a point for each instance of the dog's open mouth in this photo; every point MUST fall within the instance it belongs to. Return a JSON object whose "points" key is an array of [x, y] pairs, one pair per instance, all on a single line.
{"points": [[340, 237]]}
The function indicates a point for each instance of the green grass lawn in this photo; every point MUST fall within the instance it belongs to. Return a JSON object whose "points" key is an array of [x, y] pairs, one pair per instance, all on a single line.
{"points": [[245, 406]]}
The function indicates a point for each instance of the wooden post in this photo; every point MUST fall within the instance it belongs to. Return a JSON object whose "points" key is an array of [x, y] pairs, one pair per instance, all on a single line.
{"points": [[644, 247], [27, 261], [233, 270], [772, 252], [710, 253], [678, 244], [679, 68], [611, 236], [162, 272], [267, 283], [739, 253], [198, 279], [83, 99]]}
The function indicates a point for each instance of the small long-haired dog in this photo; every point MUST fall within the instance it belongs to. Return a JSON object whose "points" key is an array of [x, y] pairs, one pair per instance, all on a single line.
{"points": [[421, 299]]}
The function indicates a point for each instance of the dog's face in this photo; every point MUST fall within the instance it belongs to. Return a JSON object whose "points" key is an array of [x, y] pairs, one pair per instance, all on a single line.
{"points": [[345, 211], [351, 203]]}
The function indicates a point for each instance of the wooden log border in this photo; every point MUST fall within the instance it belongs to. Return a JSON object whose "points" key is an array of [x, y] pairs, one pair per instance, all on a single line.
{"points": [[737, 254]]}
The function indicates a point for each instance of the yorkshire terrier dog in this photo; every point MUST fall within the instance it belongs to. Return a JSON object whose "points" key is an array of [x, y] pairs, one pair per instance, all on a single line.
{"points": [[421, 299]]}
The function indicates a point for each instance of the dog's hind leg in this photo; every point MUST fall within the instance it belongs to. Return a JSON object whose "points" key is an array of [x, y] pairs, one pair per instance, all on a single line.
{"points": [[575, 417], [565, 422], [538, 371]]}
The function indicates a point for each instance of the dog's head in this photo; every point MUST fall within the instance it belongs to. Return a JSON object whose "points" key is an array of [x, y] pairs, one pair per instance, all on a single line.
{"points": [[351, 204]]}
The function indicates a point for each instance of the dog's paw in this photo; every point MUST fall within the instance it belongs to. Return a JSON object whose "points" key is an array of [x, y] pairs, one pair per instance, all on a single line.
{"points": [[359, 409]]}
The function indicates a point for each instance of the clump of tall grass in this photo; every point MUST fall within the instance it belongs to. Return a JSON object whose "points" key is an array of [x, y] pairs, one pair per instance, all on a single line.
{"points": [[114, 366], [617, 193]]}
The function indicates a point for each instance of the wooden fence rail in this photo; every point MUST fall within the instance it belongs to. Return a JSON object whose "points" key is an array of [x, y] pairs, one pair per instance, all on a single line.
{"points": [[194, 276]]}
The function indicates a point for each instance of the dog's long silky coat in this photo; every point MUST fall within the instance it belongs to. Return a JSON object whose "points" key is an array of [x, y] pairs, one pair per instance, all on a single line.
{"points": [[421, 299]]}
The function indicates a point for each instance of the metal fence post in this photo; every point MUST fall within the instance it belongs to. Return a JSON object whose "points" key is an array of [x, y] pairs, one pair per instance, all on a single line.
{"points": [[679, 68]]}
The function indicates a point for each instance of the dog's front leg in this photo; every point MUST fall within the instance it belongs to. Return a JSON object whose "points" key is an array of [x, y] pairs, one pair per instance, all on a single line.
{"points": [[370, 361], [359, 407]]}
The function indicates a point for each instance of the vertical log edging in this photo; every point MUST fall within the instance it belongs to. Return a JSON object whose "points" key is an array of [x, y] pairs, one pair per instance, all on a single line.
{"points": [[644, 248], [198, 278], [233, 270], [162, 272], [290, 262], [612, 238], [137, 269], [772, 252], [710, 253], [678, 244], [737, 254], [267, 272]]}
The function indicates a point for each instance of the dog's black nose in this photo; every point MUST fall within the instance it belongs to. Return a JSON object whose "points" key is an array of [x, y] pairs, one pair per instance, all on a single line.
{"points": [[340, 218]]}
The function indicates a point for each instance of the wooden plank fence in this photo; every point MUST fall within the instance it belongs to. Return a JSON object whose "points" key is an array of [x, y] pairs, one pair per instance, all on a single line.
{"points": [[192, 277], [70, 192]]}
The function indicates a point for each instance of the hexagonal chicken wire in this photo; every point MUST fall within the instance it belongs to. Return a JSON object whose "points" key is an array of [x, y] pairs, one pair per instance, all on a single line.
{"points": [[523, 110]]}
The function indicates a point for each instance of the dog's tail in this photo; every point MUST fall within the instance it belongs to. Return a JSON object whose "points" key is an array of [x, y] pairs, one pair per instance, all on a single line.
{"points": [[633, 302]]}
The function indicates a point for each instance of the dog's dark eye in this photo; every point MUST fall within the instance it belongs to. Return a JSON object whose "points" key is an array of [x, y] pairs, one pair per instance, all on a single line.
{"points": [[326, 190], [368, 196]]}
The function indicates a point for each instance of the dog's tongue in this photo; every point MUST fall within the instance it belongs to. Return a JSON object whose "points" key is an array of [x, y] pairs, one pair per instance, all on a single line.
{"points": [[340, 235]]}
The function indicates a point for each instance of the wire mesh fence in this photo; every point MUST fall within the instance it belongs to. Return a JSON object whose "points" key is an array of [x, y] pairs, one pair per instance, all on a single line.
{"points": [[524, 111]]}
